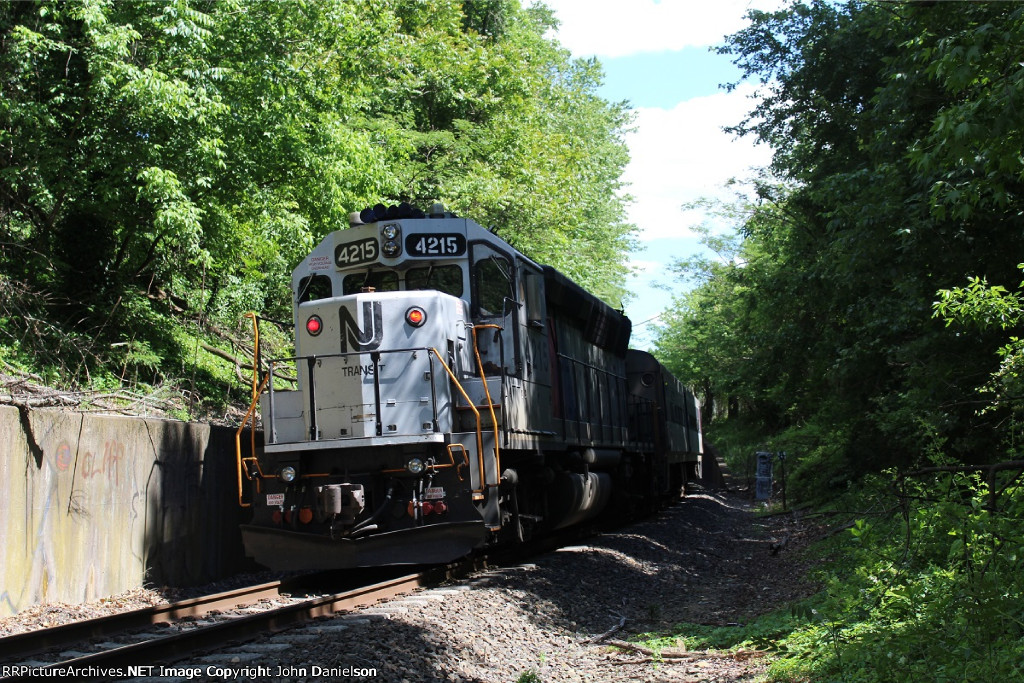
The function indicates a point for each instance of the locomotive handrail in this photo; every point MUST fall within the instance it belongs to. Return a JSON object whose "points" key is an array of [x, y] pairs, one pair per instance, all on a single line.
{"points": [[465, 458], [592, 367], [490, 401], [255, 354], [314, 431], [476, 414], [353, 353], [250, 414], [378, 422]]}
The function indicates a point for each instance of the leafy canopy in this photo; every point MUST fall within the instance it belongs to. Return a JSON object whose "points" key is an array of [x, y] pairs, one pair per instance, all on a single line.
{"points": [[166, 163], [896, 174]]}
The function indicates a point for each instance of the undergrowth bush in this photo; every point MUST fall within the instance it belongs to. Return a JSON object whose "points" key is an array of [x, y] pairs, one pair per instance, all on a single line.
{"points": [[926, 583], [926, 586]]}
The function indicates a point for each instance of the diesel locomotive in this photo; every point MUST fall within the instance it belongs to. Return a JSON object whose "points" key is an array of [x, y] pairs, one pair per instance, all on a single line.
{"points": [[450, 393]]}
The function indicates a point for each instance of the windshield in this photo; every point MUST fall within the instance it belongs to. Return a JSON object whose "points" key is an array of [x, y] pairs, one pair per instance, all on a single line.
{"points": [[447, 279]]}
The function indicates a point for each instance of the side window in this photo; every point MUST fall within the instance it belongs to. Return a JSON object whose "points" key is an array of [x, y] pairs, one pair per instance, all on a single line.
{"points": [[492, 277], [314, 287], [447, 279], [381, 281]]}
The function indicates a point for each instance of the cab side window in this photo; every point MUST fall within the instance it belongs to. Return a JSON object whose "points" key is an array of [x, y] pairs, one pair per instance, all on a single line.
{"points": [[492, 277], [314, 287], [447, 279]]}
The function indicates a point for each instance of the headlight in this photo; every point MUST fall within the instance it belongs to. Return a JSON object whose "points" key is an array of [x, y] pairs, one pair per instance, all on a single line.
{"points": [[287, 474], [392, 235], [415, 466]]}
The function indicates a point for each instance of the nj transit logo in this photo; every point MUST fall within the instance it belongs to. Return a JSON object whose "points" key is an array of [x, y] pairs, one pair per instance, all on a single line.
{"points": [[362, 339]]}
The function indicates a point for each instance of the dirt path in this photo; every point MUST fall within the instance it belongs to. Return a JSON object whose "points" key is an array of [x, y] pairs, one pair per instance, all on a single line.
{"points": [[725, 566]]}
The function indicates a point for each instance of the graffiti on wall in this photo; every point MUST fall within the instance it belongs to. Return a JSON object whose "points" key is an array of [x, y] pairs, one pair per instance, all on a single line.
{"points": [[83, 494], [97, 465], [98, 505]]}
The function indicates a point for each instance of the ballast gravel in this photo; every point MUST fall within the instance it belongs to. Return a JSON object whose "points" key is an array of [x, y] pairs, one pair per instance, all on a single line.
{"points": [[708, 559]]}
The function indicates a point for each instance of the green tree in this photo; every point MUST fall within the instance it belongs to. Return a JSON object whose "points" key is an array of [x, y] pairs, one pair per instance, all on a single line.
{"points": [[505, 127], [891, 192], [165, 164]]}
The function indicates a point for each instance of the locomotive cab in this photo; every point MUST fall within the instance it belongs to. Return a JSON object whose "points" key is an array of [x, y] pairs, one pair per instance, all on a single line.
{"points": [[405, 331]]}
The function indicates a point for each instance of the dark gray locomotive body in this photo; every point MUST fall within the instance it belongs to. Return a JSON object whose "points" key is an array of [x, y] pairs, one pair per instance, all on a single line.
{"points": [[451, 393]]}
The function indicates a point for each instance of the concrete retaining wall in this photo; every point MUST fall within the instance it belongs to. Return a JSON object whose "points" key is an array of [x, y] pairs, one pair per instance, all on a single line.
{"points": [[92, 505]]}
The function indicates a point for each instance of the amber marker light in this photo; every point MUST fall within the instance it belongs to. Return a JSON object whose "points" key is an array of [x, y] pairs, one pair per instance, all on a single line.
{"points": [[416, 316]]}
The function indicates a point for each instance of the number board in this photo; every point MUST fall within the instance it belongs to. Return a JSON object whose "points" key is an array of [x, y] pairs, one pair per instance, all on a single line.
{"points": [[350, 254], [440, 244]]}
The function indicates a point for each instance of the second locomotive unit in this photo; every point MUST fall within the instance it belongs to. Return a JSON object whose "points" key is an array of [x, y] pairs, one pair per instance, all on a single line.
{"points": [[452, 393]]}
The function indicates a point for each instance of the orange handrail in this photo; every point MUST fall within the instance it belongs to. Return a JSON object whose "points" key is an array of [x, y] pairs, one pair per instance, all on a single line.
{"points": [[490, 401], [252, 435], [476, 414], [257, 389], [255, 353], [465, 458]]}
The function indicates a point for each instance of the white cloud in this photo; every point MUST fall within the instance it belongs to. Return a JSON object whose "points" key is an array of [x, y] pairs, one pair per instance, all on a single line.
{"points": [[679, 154], [615, 28], [682, 154]]}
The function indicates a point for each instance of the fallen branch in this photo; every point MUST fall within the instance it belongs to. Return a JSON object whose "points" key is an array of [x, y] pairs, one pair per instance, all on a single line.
{"points": [[225, 355], [43, 402], [613, 629], [670, 654], [25, 375]]}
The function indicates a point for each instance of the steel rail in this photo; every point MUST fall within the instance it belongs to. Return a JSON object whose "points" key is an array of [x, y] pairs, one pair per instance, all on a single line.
{"points": [[32, 642], [166, 648]]}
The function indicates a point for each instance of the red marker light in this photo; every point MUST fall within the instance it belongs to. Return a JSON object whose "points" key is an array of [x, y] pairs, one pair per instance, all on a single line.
{"points": [[416, 316], [314, 325]]}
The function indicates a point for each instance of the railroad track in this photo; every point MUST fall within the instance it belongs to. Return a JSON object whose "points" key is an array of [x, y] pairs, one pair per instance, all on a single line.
{"points": [[136, 643], [132, 643]]}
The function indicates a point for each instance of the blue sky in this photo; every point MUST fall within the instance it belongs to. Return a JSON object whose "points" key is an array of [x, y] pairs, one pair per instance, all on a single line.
{"points": [[656, 55], [664, 79]]}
